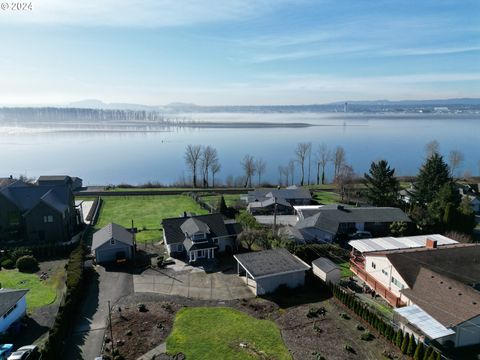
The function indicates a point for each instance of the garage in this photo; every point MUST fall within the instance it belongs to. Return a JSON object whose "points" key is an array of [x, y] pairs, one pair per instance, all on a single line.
{"points": [[113, 243], [326, 270], [265, 271]]}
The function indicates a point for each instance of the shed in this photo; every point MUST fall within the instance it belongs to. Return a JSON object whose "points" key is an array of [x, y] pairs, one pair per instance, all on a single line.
{"points": [[111, 243], [265, 271], [326, 270]]}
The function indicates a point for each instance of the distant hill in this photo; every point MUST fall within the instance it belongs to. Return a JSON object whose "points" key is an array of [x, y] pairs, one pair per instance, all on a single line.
{"points": [[98, 104]]}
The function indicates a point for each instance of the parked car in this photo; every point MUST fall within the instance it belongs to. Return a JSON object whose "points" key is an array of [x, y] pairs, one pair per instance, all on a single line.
{"points": [[28, 352], [361, 235], [5, 351]]}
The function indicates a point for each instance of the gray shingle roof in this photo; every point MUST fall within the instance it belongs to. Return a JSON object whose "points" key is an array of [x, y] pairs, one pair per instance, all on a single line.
{"points": [[9, 297], [111, 231], [287, 194], [25, 197], [215, 222], [6, 181], [328, 219], [270, 262], [194, 226], [190, 245], [54, 178]]}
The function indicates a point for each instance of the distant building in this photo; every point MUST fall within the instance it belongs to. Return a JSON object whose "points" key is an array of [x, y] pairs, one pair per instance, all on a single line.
{"points": [[51, 180]]}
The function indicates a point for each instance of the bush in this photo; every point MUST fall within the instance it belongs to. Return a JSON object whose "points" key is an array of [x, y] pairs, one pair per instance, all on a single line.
{"points": [[27, 264], [367, 336], [7, 264]]}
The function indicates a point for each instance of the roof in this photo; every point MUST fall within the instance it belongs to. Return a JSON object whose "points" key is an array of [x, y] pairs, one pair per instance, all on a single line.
{"points": [[215, 222], [269, 202], [460, 262], [9, 297], [270, 262], [190, 245], [288, 194], [424, 322], [281, 219], [54, 178], [194, 226], [26, 197], [325, 264], [298, 235], [6, 181], [111, 231], [449, 301], [329, 218], [391, 243]]}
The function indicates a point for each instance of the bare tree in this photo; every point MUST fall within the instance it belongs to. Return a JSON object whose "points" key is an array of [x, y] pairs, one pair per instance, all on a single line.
{"points": [[192, 157], [301, 153], [344, 180], [339, 160], [455, 159], [324, 156], [230, 181], [215, 168], [432, 147], [209, 156], [281, 172], [291, 170], [248, 165], [260, 166]]}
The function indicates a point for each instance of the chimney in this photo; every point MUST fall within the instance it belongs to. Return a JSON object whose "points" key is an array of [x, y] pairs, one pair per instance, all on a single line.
{"points": [[431, 244]]}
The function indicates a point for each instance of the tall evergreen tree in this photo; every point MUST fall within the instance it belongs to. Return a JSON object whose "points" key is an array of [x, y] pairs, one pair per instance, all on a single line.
{"points": [[222, 206], [405, 342], [419, 351], [382, 186], [433, 175], [399, 338]]}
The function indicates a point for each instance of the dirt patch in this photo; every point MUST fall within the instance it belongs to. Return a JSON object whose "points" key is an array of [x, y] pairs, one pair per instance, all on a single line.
{"points": [[137, 332], [328, 335]]}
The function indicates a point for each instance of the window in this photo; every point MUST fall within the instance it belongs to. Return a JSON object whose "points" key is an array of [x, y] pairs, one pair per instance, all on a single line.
{"points": [[112, 241], [180, 247], [48, 219], [198, 237], [397, 283], [384, 272], [215, 241], [374, 265]]}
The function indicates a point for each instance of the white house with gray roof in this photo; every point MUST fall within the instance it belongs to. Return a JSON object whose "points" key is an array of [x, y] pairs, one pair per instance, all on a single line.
{"points": [[113, 242], [265, 271], [13, 307]]}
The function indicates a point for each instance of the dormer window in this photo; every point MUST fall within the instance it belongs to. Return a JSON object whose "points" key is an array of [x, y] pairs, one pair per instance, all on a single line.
{"points": [[112, 241], [199, 236]]}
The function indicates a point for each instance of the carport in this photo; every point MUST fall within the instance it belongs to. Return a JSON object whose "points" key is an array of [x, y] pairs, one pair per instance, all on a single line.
{"points": [[265, 271]]}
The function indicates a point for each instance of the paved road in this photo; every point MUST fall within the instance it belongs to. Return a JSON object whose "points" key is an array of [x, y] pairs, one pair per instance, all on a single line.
{"points": [[86, 339]]}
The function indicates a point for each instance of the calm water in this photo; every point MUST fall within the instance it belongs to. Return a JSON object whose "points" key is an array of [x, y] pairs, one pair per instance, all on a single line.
{"points": [[103, 157]]}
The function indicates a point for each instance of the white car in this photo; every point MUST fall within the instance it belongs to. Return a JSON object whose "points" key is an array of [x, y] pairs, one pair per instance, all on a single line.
{"points": [[29, 352]]}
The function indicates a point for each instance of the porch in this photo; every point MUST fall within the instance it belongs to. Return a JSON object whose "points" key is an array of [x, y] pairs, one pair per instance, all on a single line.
{"points": [[200, 254]]}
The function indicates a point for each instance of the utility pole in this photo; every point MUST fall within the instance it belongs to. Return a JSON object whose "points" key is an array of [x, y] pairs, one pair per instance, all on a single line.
{"points": [[111, 329], [274, 218]]}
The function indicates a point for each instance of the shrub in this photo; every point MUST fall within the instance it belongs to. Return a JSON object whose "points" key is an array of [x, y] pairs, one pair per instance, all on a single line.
{"points": [[360, 327], [8, 264], [27, 264], [367, 336], [350, 349]]}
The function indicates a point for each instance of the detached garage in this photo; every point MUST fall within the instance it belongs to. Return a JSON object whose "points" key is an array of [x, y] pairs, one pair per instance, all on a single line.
{"points": [[111, 243], [326, 270], [265, 271]]}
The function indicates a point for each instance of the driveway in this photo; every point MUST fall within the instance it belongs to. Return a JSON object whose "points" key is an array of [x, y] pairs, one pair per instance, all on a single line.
{"points": [[192, 283], [86, 340]]}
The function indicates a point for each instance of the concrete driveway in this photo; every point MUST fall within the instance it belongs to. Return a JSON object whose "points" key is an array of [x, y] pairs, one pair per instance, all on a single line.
{"points": [[192, 283], [86, 340]]}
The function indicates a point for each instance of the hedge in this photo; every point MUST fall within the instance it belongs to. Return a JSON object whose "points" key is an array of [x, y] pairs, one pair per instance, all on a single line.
{"points": [[404, 342], [69, 308]]}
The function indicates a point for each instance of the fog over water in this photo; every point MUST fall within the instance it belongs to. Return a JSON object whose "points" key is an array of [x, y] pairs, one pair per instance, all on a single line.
{"points": [[104, 153]]}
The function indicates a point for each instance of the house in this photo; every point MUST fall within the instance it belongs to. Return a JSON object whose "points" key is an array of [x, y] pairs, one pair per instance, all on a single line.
{"points": [[433, 281], [329, 222], [326, 270], [270, 206], [113, 242], [5, 181], [13, 307], [200, 237], [265, 271], [50, 180], [292, 194], [37, 213]]}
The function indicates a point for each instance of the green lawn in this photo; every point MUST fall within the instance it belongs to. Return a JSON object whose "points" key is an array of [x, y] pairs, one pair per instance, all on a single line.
{"points": [[146, 212], [216, 333], [41, 292], [326, 197], [345, 269], [230, 199]]}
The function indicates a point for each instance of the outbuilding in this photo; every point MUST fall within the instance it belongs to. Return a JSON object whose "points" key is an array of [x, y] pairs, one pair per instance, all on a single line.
{"points": [[13, 307], [326, 270], [265, 271], [111, 243]]}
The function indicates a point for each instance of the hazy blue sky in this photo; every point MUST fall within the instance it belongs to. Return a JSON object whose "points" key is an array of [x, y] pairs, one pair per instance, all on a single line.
{"points": [[239, 52]]}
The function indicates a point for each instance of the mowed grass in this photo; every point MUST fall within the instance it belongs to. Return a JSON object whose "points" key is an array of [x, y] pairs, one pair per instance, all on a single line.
{"points": [[327, 197], [216, 333], [146, 212], [42, 292], [230, 199]]}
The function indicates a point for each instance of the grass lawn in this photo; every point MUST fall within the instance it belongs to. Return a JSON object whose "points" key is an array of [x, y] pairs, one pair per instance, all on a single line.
{"points": [[146, 212], [327, 197], [41, 292], [230, 199], [345, 269], [216, 333]]}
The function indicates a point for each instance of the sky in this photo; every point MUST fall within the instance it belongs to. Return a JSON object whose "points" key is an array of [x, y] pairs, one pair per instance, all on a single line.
{"points": [[218, 52]]}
